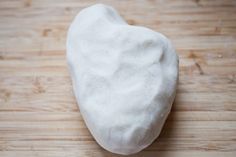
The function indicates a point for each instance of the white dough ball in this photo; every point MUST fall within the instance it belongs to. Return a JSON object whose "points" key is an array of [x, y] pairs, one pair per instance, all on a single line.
{"points": [[124, 78]]}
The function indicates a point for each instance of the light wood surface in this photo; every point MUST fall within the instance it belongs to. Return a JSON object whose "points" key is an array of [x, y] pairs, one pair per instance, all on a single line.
{"points": [[38, 111]]}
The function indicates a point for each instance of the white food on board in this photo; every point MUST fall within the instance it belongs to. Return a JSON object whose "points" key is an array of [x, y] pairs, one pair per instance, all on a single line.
{"points": [[124, 78]]}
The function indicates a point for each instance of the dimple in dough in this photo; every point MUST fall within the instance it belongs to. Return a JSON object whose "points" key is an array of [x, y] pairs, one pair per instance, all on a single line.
{"points": [[124, 78]]}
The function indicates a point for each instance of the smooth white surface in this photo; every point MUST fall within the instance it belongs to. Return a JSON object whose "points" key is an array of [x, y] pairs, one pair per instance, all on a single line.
{"points": [[124, 78]]}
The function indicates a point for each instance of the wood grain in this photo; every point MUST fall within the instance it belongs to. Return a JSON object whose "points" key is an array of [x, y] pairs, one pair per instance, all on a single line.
{"points": [[38, 111]]}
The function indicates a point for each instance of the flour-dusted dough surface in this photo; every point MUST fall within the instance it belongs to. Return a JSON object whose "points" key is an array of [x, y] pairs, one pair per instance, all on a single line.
{"points": [[124, 78]]}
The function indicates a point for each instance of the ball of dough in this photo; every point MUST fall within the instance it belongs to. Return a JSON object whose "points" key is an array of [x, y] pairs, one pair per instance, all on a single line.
{"points": [[124, 78]]}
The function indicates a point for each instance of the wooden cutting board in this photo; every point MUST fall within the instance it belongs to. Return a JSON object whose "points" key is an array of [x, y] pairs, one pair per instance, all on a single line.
{"points": [[38, 111]]}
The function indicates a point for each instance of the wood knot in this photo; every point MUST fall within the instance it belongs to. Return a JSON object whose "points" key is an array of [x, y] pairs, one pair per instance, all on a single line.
{"points": [[198, 2], [192, 55], [38, 88], [46, 32], [1, 57], [131, 22], [5, 94], [27, 3], [67, 8]]}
